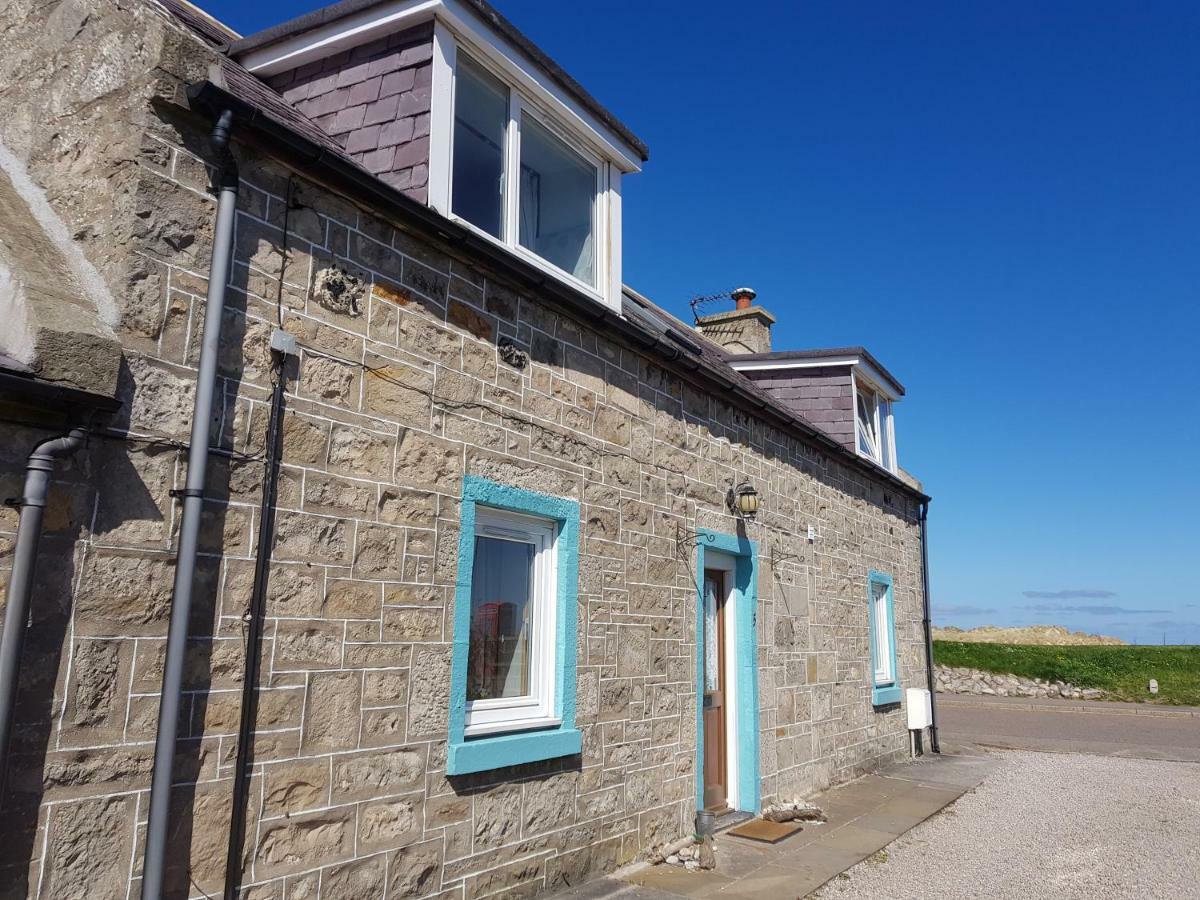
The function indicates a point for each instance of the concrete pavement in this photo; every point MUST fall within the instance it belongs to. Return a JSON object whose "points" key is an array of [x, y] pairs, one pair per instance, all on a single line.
{"points": [[1134, 730], [864, 817]]}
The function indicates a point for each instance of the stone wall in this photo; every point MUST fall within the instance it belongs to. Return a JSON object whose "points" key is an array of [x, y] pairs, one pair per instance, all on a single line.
{"points": [[399, 392], [956, 680]]}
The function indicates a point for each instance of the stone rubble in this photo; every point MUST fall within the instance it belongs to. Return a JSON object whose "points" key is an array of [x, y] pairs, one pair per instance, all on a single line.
{"points": [[955, 680], [794, 811], [699, 854]]}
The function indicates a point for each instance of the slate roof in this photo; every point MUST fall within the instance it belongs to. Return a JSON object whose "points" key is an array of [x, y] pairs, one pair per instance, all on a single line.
{"points": [[490, 16]]}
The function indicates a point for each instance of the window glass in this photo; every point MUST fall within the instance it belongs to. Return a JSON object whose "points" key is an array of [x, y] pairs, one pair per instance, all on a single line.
{"points": [[885, 437], [558, 194], [480, 124], [868, 422], [883, 637], [498, 661], [711, 670]]}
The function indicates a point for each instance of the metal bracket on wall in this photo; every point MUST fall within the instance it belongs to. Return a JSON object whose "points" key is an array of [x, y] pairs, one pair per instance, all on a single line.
{"points": [[694, 538]]}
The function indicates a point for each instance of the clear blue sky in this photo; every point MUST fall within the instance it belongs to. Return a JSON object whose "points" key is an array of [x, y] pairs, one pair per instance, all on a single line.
{"points": [[1002, 201]]}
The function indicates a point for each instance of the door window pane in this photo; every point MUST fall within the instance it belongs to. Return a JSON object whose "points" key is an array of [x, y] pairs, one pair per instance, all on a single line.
{"points": [[498, 661], [558, 194], [480, 124], [711, 637]]}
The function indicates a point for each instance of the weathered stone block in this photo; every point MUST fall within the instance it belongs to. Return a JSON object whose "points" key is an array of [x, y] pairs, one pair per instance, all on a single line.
{"points": [[379, 552], [99, 679], [352, 600], [387, 824], [412, 624], [302, 842], [633, 650], [366, 775], [307, 645], [360, 452], [549, 803], [295, 786], [355, 881], [385, 688], [90, 844], [332, 711], [303, 537], [429, 697], [497, 816], [415, 871]]}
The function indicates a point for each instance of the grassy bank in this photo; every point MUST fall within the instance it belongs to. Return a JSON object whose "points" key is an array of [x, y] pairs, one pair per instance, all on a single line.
{"points": [[1123, 672]]}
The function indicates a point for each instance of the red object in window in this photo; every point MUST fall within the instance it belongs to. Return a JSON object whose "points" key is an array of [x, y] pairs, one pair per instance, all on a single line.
{"points": [[493, 621]]}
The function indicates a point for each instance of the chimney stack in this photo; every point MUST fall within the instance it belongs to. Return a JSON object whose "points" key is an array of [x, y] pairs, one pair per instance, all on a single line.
{"points": [[744, 329]]}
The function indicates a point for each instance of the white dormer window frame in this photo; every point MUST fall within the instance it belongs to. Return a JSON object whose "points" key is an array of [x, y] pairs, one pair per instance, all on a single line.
{"points": [[524, 105], [459, 27], [874, 423]]}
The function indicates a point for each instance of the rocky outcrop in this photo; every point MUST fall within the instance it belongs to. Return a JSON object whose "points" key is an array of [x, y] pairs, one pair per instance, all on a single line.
{"points": [[1028, 634], [951, 680]]}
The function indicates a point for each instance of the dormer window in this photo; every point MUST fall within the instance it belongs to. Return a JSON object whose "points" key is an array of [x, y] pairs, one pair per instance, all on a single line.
{"points": [[452, 106], [874, 430], [500, 142], [843, 391]]}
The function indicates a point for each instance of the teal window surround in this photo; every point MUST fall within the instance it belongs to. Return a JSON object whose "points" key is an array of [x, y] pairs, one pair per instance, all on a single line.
{"points": [[745, 599], [889, 692], [479, 754]]}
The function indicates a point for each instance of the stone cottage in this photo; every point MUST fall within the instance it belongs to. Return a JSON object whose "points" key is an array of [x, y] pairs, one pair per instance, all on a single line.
{"points": [[369, 537]]}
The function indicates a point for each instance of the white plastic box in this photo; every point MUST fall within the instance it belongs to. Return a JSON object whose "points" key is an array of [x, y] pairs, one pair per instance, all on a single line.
{"points": [[920, 709]]}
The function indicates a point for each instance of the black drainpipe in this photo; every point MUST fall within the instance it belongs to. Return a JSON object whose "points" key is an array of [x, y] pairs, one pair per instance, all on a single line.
{"points": [[32, 503], [928, 625], [256, 613], [157, 825]]}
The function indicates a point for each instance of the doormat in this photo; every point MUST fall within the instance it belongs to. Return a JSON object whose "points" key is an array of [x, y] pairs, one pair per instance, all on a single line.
{"points": [[767, 832]]}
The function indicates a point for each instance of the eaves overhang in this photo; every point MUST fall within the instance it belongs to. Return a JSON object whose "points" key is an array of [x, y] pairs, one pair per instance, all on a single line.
{"points": [[856, 357], [338, 172]]}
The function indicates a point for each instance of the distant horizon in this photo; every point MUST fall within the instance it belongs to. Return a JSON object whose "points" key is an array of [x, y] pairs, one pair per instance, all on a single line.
{"points": [[1044, 624]]}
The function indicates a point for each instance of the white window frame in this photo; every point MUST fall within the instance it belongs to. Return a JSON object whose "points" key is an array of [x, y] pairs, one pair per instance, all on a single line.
{"points": [[606, 211], [882, 664], [535, 710], [884, 425]]}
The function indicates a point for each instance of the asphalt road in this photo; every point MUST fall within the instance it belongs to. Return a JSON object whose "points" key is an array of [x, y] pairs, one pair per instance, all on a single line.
{"points": [[1128, 730]]}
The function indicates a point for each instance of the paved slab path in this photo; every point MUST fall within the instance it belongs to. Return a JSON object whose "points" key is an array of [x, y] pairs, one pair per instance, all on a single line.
{"points": [[864, 816], [1048, 825], [1108, 729]]}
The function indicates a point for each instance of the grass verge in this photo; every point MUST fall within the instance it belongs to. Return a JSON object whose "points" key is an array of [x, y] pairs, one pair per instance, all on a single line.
{"points": [[1124, 672]]}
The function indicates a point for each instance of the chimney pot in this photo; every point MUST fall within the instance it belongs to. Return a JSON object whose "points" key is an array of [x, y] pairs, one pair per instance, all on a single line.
{"points": [[743, 297]]}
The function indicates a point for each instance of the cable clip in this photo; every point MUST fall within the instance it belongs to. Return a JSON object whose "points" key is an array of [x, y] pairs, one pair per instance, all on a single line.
{"points": [[186, 492]]}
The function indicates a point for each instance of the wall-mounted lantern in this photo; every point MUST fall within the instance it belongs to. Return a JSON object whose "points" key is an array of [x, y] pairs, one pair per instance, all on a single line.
{"points": [[743, 501]]}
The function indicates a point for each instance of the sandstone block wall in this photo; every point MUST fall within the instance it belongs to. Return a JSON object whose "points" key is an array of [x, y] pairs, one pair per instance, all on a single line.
{"points": [[399, 392]]}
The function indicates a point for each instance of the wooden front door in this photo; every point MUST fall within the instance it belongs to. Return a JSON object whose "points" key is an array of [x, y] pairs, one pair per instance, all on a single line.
{"points": [[715, 762]]}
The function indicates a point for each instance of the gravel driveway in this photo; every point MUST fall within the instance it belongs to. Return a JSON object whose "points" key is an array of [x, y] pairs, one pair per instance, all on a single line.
{"points": [[1049, 825]]}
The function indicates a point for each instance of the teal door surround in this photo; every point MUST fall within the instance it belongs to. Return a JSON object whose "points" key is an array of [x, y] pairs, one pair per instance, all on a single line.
{"points": [[745, 599], [480, 754]]}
